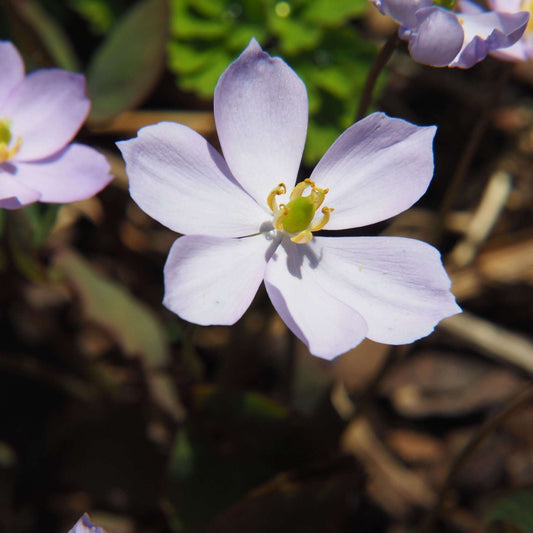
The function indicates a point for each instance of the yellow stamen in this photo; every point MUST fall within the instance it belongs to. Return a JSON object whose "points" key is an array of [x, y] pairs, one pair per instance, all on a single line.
{"points": [[300, 188], [303, 237], [271, 200], [280, 212], [297, 216], [326, 211], [7, 153], [317, 196]]}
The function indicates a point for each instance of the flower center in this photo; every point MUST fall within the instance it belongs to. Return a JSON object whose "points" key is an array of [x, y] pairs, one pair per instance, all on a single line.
{"points": [[297, 215], [448, 4], [7, 152]]}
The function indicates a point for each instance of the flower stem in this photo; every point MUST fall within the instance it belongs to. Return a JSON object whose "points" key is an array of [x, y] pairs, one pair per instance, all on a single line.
{"points": [[381, 60], [513, 405]]}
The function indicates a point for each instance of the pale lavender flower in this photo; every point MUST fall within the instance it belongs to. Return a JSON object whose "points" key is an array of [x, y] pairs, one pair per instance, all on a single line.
{"points": [[442, 37], [246, 221], [84, 525], [522, 50], [39, 115]]}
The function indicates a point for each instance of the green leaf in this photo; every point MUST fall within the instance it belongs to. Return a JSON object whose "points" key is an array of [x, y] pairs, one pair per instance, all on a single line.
{"points": [[203, 80], [512, 514], [134, 326], [333, 12], [313, 36], [335, 74], [111, 306], [209, 8], [42, 218], [49, 33], [295, 36], [187, 24], [98, 14], [130, 61], [233, 442], [239, 38], [334, 81], [186, 59], [182, 458], [250, 10], [20, 234], [248, 406], [319, 138]]}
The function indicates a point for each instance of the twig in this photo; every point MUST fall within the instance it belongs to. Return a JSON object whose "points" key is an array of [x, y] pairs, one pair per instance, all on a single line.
{"points": [[507, 259], [40, 372], [128, 123], [513, 405], [491, 339], [351, 406], [362, 400], [490, 207], [470, 150]]}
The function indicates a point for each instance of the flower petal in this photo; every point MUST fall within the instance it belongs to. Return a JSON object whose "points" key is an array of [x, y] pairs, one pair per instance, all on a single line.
{"points": [[12, 69], [487, 32], [13, 193], [468, 6], [403, 11], [398, 285], [179, 179], [509, 6], [436, 38], [325, 324], [260, 109], [520, 51], [76, 173], [213, 280], [46, 109], [84, 525], [376, 169]]}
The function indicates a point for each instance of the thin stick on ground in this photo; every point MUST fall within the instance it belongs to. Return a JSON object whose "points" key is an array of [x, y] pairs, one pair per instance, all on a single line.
{"points": [[470, 150], [514, 404]]}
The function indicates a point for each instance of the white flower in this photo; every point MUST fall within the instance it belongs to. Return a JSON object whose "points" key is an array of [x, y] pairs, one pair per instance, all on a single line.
{"points": [[245, 220]]}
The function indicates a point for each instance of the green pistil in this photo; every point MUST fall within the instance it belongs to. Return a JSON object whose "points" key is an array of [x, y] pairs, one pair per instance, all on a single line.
{"points": [[300, 213], [5, 132], [448, 4]]}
